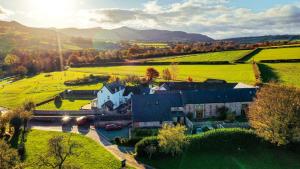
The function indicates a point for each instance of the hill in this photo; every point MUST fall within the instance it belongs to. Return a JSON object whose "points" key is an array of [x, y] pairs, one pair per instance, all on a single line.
{"points": [[129, 34], [267, 38]]}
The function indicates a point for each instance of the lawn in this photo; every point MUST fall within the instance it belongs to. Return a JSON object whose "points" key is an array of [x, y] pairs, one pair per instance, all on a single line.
{"points": [[213, 56], [279, 53], [39, 88], [91, 155], [231, 73], [286, 73], [66, 105], [257, 158]]}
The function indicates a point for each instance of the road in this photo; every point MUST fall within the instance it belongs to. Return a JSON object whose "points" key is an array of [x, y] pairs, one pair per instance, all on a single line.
{"points": [[119, 152]]}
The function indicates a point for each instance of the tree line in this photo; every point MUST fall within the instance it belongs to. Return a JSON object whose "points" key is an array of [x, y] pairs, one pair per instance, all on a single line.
{"points": [[30, 62]]}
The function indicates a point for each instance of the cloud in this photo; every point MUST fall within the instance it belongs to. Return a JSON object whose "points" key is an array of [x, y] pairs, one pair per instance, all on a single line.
{"points": [[211, 17], [5, 14]]}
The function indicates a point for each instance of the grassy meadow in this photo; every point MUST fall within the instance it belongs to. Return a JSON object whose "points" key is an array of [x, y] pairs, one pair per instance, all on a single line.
{"points": [[204, 57], [66, 105], [286, 73], [39, 88], [278, 53], [231, 73], [90, 155]]}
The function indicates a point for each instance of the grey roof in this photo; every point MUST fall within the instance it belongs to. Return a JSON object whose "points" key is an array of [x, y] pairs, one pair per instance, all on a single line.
{"points": [[154, 107], [136, 90], [114, 86], [157, 107], [196, 85], [218, 96]]}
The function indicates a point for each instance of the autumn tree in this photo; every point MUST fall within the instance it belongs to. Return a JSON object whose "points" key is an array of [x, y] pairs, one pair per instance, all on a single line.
{"points": [[60, 148], [174, 71], [172, 139], [9, 158], [166, 74], [190, 79], [151, 74], [275, 114]]}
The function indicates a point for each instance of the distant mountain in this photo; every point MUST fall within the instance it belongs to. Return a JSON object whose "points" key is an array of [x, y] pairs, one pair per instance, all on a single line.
{"points": [[129, 34], [270, 38]]}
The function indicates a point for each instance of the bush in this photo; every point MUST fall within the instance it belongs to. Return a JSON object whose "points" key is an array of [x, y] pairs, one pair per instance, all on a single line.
{"points": [[144, 132], [127, 142], [87, 80], [213, 140]]}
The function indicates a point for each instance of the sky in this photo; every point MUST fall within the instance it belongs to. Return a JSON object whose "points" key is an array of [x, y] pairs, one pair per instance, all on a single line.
{"points": [[216, 18]]}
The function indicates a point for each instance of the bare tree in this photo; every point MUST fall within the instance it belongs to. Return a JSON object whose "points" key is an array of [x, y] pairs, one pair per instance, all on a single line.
{"points": [[60, 149]]}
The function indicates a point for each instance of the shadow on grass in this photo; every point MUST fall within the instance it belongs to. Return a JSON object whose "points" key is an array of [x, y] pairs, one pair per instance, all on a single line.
{"points": [[268, 74]]}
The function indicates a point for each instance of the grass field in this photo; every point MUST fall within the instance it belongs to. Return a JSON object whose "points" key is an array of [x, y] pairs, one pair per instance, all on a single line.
{"points": [[213, 56], [286, 73], [66, 105], [257, 158], [280, 53], [231, 73], [151, 44], [39, 88], [91, 155]]}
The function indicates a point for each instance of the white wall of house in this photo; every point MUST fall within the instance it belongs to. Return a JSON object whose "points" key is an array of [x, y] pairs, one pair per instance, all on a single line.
{"points": [[116, 98]]}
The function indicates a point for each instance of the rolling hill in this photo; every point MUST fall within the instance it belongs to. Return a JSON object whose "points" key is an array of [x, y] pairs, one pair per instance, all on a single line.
{"points": [[129, 34]]}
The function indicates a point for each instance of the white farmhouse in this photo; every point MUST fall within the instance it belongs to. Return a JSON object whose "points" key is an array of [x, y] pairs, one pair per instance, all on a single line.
{"points": [[111, 96]]}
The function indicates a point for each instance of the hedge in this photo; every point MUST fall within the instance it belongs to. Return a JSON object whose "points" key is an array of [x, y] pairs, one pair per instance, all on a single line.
{"points": [[214, 140]]}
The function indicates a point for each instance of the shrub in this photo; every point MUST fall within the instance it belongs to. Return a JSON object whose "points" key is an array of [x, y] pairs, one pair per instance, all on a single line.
{"points": [[214, 140], [87, 80], [127, 142]]}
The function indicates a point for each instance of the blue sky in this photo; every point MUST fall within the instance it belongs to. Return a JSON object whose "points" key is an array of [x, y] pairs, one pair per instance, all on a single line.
{"points": [[215, 18]]}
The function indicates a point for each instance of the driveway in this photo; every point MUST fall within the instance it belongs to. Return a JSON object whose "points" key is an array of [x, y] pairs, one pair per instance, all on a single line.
{"points": [[119, 152]]}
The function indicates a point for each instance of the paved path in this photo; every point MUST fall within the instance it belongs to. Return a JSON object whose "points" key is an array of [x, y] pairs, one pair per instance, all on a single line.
{"points": [[119, 152]]}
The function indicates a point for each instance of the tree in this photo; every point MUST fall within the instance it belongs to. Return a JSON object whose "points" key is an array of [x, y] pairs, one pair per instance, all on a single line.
{"points": [[9, 158], [58, 101], [20, 70], [28, 105], [172, 139], [166, 74], [174, 71], [60, 148], [133, 79], [11, 59], [151, 74], [275, 114], [190, 79]]}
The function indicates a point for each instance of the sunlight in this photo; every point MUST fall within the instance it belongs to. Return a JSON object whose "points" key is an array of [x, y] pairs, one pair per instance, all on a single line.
{"points": [[52, 9]]}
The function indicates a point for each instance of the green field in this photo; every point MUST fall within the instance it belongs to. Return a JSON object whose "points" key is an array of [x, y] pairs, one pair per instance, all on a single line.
{"points": [[204, 57], [91, 155], [280, 53], [151, 44], [231, 73], [39, 88], [66, 105], [286, 73]]}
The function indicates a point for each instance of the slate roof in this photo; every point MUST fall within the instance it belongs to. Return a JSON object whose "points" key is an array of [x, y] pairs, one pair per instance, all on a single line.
{"points": [[114, 87], [218, 96], [154, 107], [196, 85], [157, 107], [136, 90]]}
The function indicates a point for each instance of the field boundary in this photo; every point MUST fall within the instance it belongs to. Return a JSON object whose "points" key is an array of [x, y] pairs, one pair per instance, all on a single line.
{"points": [[280, 61], [248, 56], [257, 73]]}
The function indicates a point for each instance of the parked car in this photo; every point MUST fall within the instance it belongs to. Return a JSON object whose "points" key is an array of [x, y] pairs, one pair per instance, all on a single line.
{"points": [[66, 120], [110, 127], [81, 121]]}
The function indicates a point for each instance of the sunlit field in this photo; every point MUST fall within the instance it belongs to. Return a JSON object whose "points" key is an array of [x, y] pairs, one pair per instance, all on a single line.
{"points": [[90, 155], [231, 73], [280, 53], [212, 56], [39, 88]]}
